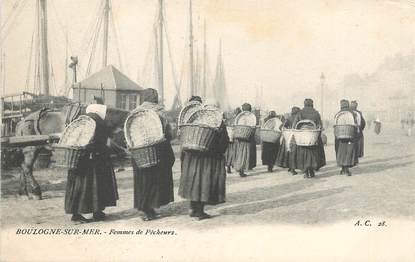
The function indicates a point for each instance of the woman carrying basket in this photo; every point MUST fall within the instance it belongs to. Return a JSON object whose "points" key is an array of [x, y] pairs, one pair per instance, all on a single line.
{"points": [[245, 156], [203, 177], [270, 150], [310, 158], [287, 154], [92, 185], [346, 149], [153, 186], [230, 151]]}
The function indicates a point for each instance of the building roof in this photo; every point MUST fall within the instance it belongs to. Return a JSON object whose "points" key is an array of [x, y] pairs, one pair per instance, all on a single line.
{"points": [[110, 78]]}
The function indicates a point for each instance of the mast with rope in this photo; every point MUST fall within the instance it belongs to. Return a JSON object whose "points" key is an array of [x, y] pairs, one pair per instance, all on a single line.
{"points": [[322, 83], [160, 54], [204, 80], [102, 22], [219, 85], [191, 64], [105, 38], [43, 41]]}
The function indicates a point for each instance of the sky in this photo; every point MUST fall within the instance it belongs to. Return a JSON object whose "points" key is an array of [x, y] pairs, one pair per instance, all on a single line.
{"points": [[279, 46]]}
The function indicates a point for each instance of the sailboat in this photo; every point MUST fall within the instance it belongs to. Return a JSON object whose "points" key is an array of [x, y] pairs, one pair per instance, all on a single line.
{"points": [[18, 105]]}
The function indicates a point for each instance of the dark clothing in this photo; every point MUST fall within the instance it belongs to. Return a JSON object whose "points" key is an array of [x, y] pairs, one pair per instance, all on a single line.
{"points": [[230, 154], [346, 153], [153, 186], [203, 177], [269, 150], [269, 153], [252, 155], [308, 113], [378, 126], [359, 134], [245, 156], [231, 150], [347, 149], [310, 157], [286, 157], [92, 185]]}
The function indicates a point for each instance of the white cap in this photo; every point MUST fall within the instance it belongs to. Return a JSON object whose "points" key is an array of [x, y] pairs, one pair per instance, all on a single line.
{"points": [[100, 110]]}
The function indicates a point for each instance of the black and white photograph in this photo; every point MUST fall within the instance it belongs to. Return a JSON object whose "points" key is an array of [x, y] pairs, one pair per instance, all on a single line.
{"points": [[207, 130]]}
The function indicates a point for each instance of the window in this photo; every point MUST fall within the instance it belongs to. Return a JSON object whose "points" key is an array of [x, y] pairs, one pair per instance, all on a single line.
{"points": [[132, 102], [123, 104]]}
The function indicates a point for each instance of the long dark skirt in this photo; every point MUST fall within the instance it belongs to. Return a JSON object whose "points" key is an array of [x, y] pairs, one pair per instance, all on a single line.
{"points": [[311, 157], [360, 146], [153, 186], [285, 158], [322, 154], [269, 153], [243, 156], [203, 178], [91, 187], [230, 155], [252, 155], [346, 153]]}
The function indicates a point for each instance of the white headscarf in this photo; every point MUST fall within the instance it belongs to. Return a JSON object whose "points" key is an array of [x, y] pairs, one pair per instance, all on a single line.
{"points": [[100, 110]]}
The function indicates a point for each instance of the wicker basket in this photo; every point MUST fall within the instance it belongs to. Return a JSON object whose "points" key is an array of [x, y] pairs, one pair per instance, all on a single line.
{"points": [[344, 131], [187, 111], [243, 132], [344, 118], [211, 117], [197, 137], [143, 127], [273, 123], [245, 118], [68, 156], [270, 132], [270, 135], [288, 135], [79, 132], [306, 137], [147, 156]]}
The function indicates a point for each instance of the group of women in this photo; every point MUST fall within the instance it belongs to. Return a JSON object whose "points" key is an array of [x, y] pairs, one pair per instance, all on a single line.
{"points": [[348, 151], [91, 187], [308, 159]]}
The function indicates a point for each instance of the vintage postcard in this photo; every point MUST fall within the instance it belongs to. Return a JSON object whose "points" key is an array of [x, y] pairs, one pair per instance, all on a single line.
{"points": [[207, 130]]}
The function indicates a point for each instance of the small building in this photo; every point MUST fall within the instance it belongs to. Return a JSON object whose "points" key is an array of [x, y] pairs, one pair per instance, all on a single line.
{"points": [[115, 88]]}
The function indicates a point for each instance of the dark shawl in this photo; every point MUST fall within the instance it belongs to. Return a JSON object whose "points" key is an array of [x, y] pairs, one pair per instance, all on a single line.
{"points": [[153, 186], [92, 186]]}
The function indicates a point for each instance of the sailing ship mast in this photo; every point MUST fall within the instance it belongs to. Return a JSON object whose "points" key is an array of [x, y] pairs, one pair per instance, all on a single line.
{"points": [[204, 80], [322, 83], [160, 54], [105, 38], [43, 41], [191, 63]]}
